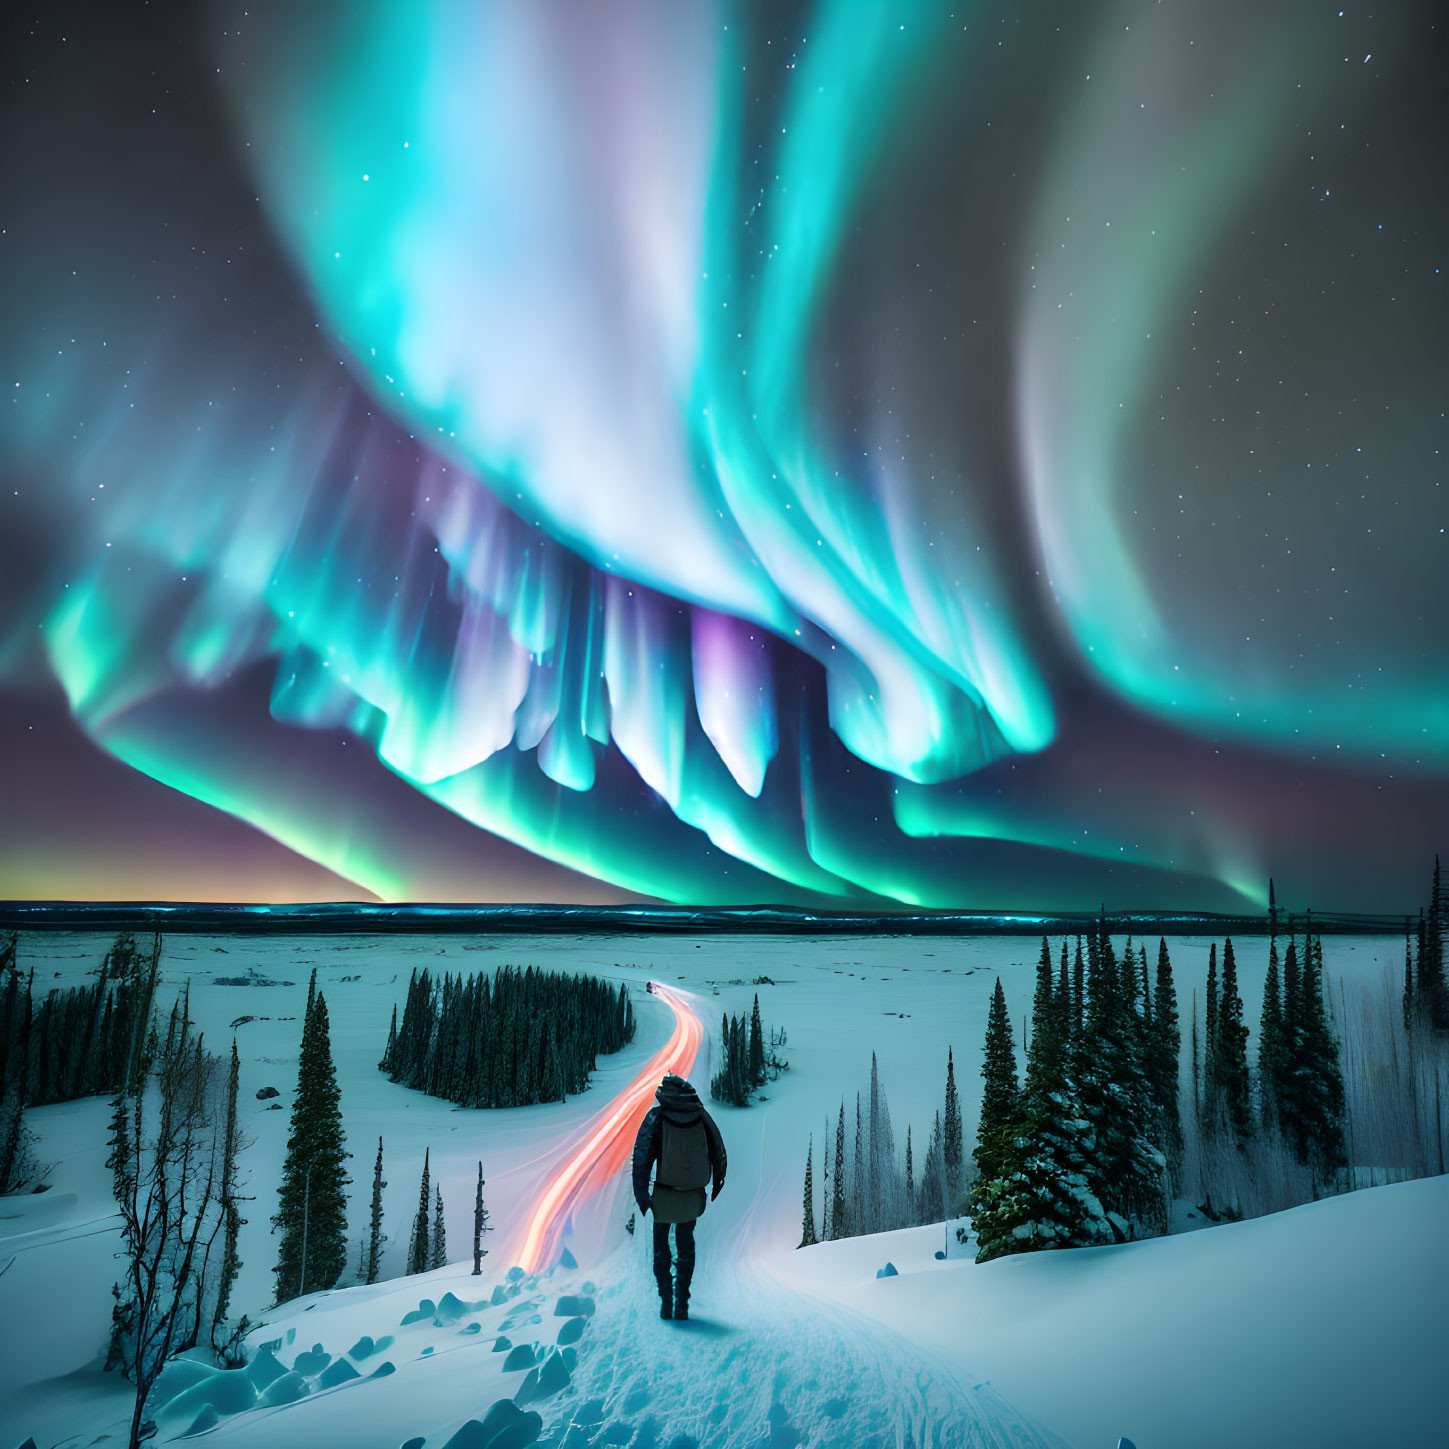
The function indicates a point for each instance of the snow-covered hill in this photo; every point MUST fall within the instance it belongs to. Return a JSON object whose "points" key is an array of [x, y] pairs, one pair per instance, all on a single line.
{"points": [[1315, 1318], [1326, 1325]]}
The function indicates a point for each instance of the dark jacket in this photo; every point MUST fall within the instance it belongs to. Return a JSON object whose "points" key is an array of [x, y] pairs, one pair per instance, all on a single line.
{"points": [[680, 1103]]}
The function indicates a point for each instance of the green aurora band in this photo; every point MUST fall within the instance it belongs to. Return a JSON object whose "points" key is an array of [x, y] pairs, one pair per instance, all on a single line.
{"points": [[570, 533]]}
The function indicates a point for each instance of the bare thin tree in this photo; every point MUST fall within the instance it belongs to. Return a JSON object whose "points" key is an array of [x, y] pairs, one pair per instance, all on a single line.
{"points": [[173, 1146]]}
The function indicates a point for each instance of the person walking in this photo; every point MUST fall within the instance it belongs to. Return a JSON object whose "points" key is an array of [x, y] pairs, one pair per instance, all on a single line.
{"points": [[680, 1140]]}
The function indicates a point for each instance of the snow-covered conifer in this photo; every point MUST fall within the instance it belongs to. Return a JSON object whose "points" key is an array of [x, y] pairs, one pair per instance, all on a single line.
{"points": [[311, 1217], [438, 1244], [807, 1224], [418, 1250], [375, 1235], [1000, 1096]]}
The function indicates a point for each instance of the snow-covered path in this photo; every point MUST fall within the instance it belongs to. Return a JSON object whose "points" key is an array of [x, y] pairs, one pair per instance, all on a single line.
{"points": [[762, 1365], [759, 1364], [584, 1349]]}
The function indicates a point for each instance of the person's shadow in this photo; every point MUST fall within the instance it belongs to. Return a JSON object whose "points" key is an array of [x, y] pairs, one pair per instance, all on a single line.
{"points": [[702, 1327]]}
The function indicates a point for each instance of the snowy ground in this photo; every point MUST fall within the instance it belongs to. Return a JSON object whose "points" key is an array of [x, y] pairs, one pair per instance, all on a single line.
{"points": [[789, 1348], [1324, 1325]]}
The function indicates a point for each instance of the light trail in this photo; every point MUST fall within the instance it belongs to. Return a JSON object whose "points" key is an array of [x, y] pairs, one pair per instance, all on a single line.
{"points": [[609, 1140]]}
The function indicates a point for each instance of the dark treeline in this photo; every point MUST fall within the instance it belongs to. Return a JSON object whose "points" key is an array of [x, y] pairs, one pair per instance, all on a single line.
{"points": [[749, 1060], [1297, 1087], [511, 1040], [74, 1042], [1426, 993], [71, 1043]]}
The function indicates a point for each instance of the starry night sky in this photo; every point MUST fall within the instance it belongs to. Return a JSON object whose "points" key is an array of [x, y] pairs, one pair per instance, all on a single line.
{"points": [[845, 454]]}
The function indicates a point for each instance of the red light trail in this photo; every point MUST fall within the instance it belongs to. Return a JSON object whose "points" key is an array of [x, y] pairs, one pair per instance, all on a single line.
{"points": [[609, 1139]]}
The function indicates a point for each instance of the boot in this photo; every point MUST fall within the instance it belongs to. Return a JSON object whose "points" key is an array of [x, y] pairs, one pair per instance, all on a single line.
{"points": [[666, 1294], [681, 1301]]}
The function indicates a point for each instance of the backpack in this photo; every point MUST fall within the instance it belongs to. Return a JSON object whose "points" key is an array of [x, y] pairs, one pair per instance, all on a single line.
{"points": [[683, 1155]]}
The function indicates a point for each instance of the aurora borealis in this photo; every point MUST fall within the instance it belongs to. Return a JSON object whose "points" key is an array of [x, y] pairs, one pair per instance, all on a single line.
{"points": [[854, 453]]}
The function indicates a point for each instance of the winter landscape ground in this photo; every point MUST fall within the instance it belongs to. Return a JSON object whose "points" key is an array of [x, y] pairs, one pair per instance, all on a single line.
{"points": [[1322, 1325]]}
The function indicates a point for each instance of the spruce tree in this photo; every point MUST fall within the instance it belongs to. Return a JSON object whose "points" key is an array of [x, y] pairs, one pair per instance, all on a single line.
{"points": [[438, 1245], [1046, 1055], [840, 1225], [807, 1225], [1210, 1025], [1314, 1108], [1231, 1053], [862, 1199], [1045, 1199], [385, 1065], [1291, 995], [1270, 1044], [311, 1214], [1125, 1168], [757, 1045], [1164, 1052], [1196, 1063], [418, 1252], [375, 1235], [910, 1182], [1000, 1096], [1066, 1017], [480, 1225], [878, 1186], [1041, 1196], [952, 1138], [1042, 996]]}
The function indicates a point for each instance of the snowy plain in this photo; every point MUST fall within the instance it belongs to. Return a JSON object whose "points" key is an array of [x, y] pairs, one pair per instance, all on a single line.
{"points": [[1307, 1327]]}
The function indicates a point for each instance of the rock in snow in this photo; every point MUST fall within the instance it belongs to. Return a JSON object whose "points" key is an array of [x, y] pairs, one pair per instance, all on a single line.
{"points": [[208, 1418], [337, 1373], [504, 1426], [285, 1390], [310, 1364], [522, 1357], [543, 1383]]}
